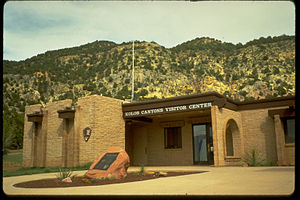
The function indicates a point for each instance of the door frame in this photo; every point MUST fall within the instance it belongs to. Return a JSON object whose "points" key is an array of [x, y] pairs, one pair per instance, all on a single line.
{"points": [[210, 155]]}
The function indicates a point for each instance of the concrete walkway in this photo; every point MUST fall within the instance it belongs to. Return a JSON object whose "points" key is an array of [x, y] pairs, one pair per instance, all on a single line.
{"points": [[216, 181]]}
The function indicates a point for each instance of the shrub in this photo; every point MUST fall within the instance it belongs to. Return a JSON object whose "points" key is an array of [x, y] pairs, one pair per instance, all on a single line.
{"points": [[254, 158], [64, 173], [142, 170]]}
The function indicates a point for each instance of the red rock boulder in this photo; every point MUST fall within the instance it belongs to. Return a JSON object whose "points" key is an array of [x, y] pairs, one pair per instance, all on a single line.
{"points": [[112, 164]]}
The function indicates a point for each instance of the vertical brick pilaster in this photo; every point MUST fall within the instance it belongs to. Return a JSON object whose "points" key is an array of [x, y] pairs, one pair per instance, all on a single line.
{"points": [[44, 137], [215, 134], [279, 140]]}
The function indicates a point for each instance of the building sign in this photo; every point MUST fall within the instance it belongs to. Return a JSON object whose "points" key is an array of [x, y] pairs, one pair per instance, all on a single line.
{"points": [[87, 134], [179, 108]]}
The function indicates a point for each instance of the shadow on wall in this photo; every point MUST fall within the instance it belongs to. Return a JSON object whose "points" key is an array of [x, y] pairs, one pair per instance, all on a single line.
{"points": [[31, 131], [60, 129], [268, 129]]}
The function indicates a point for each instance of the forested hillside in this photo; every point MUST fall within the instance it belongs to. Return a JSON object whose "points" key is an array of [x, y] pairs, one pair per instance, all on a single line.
{"points": [[262, 68]]}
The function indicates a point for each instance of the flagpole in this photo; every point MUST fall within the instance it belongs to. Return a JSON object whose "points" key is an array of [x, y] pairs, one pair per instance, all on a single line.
{"points": [[132, 88]]}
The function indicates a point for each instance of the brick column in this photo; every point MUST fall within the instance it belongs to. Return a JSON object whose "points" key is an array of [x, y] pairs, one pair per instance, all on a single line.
{"points": [[44, 138], [279, 140], [77, 135], [215, 135]]}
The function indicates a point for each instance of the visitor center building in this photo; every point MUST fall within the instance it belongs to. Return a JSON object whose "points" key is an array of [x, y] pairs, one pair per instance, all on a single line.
{"points": [[199, 129]]}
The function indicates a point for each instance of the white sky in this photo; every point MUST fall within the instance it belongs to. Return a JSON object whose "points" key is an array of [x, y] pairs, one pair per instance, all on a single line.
{"points": [[31, 28]]}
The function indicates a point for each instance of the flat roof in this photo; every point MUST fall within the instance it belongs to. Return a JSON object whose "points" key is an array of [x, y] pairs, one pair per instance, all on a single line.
{"points": [[199, 101]]}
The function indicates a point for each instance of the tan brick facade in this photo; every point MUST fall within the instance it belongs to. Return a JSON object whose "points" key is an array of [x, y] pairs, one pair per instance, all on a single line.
{"points": [[104, 116], [57, 140], [285, 152], [259, 133], [220, 119]]}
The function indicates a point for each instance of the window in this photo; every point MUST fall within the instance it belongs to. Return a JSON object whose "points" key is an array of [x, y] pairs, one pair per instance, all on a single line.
{"points": [[289, 130], [172, 137]]}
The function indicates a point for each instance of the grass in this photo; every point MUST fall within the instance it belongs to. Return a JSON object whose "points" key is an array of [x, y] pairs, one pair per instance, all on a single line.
{"points": [[38, 170], [12, 161], [18, 158]]}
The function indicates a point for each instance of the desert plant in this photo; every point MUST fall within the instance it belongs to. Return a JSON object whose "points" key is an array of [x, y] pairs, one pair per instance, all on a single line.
{"points": [[254, 158], [142, 170], [64, 173]]}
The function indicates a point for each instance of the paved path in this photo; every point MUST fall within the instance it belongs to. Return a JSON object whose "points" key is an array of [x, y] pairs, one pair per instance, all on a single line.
{"points": [[216, 181]]}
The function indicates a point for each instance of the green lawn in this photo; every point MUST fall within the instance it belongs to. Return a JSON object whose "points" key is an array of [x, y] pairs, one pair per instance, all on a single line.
{"points": [[16, 161], [38, 170], [17, 158]]}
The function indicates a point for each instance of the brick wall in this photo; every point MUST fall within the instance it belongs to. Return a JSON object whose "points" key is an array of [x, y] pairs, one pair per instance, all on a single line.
{"points": [[158, 155], [105, 118], [57, 146], [44, 149], [285, 152], [28, 137], [151, 137], [54, 146], [220, 118], [259, 133], [55, 133]]}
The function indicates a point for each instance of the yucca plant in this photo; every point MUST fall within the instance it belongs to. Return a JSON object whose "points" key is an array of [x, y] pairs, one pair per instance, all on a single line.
{"points": [[254, 158], [64, 173]]}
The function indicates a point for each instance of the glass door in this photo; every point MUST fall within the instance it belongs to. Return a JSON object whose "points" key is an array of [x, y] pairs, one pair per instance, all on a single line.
{"points": [[202, 144]]}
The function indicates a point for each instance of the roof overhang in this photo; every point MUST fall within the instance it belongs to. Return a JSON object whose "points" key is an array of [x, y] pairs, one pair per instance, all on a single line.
{"points": [[197, 102], [67, 113], [283, 113], [35, 117], [188, 103]]}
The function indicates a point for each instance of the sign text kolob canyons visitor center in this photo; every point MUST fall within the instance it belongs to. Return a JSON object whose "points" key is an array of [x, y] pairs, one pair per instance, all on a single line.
{"points": [[200, 129], [167, 109]]}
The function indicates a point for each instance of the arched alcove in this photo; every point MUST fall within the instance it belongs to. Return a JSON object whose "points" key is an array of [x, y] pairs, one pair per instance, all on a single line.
{"points": [[232, 139]]}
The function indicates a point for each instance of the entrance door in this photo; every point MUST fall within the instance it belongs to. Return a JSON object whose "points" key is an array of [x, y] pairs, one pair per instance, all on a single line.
{"points": [[203, 144]]}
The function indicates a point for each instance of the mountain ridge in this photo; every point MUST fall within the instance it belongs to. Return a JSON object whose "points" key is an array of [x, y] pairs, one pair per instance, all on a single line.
{"points": [[261, 68]]}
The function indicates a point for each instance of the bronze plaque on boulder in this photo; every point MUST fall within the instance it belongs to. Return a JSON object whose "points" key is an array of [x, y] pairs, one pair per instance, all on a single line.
{"points": [[112, 163], [106, 161]]}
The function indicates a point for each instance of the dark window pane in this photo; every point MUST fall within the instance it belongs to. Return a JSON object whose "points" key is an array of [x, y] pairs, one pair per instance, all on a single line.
{"points": [[173, 137], [289, 130]]}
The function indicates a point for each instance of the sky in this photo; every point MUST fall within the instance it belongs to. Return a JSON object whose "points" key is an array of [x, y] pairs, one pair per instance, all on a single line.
{"points": [[34, 27]]}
